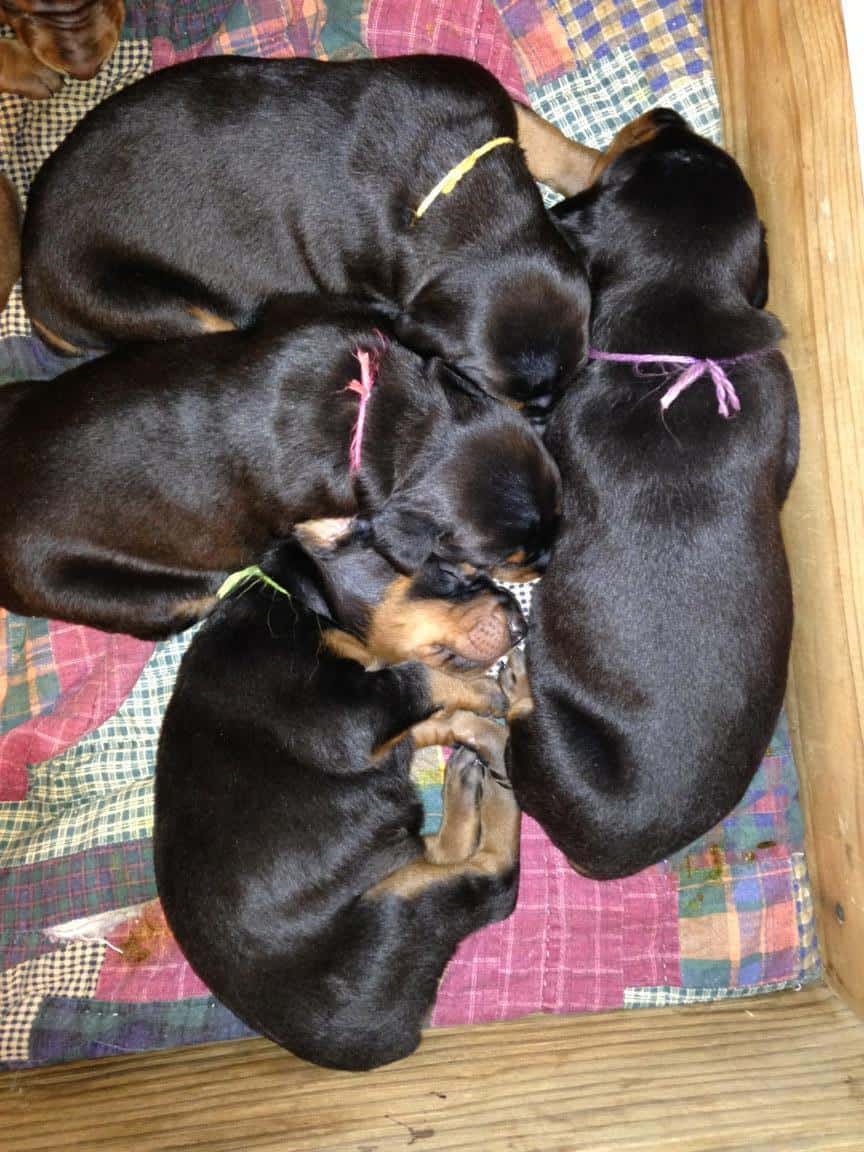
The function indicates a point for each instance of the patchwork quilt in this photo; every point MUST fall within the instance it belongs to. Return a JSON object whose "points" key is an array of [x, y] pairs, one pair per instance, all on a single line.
{"points": [[87, 965]]}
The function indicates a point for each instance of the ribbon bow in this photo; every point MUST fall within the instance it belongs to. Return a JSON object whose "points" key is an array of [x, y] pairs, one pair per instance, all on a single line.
{"points": [[693, 369], [369, 360]]}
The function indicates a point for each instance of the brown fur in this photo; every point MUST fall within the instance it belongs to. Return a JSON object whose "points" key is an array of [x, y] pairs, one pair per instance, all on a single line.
{"points": [[10, 239], [56, 38]]}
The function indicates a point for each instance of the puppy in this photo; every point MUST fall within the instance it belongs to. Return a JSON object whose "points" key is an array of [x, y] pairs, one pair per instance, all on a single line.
{"points": [[308, 177], [135, 483], [660, 636], [10, 239], [56, 38], [287, 843]]}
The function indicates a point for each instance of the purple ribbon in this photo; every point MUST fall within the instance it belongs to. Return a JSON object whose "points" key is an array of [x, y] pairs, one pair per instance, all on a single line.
{"points": [[693, 369]]}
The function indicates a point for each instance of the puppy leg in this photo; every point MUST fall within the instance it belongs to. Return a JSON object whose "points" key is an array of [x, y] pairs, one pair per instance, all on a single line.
{"points": [[486, 737], [478, 694], [22, 73], [513, 679], [459, 834], [141, 600], [495, 849], [551, 157]]}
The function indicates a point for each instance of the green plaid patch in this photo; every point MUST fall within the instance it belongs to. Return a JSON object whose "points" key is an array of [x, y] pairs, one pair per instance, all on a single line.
{"points": [[99, 791]]}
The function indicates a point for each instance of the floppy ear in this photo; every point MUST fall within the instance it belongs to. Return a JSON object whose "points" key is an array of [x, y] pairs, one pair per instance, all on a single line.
{"points": [[759, 291], [403, 535]]}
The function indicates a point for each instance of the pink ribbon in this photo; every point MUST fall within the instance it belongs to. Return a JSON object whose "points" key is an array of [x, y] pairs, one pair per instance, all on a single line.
{"points": [[369, 360], [693, 370]]}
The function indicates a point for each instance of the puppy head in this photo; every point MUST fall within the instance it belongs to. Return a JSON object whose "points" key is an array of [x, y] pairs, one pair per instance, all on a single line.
{"points": [[668, 204], [486, 495], [439, 615], [68, 36], [516, 326]]}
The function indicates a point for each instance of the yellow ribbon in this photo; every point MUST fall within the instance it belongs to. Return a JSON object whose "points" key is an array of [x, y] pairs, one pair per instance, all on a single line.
{"points": [[253, 572], [446, 185]]}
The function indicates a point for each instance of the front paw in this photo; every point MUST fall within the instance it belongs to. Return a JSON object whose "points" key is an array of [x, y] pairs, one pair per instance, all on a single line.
{"points": [[23, 74], [490, 699], [513, 678]]}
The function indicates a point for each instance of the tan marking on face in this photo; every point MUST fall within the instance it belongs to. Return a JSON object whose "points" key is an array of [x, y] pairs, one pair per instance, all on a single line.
{"points": [[348, 647], [78, 50], [508, 574], [402, 628], [209, 321], [564, 164], [326, 533]]}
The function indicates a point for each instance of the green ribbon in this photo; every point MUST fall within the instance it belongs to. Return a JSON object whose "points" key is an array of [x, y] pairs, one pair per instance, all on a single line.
{"points": [[252, 573]]}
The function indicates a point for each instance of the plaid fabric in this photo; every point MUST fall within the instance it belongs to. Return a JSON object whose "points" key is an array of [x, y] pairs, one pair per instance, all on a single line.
{"points": [[61, 680], [88, 965], [457, 27], [23, 989], [668, 37]]}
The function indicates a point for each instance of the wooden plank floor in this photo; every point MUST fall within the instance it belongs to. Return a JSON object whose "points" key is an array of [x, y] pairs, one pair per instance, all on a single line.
{"points": [[781, 1073]]}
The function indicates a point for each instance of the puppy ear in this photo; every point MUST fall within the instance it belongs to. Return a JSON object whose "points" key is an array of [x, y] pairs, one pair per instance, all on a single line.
{"points": [[759, 292], [404, 535]]}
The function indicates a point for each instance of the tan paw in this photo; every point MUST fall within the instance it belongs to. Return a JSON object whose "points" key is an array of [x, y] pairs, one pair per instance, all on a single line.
{"points": [[23, 74]]}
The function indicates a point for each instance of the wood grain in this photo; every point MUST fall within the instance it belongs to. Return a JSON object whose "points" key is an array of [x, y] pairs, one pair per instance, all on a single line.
{"points": [[783, 77], [774, 1074]]}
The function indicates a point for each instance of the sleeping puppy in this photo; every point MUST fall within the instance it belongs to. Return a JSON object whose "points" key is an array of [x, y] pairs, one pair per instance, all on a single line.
{"points": [[309, 177], [56, 38], [660, 635], [135, 483], [287, 842]]}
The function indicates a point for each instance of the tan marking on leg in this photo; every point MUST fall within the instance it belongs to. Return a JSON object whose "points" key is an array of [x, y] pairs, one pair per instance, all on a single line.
{"points": [[485, 736], [497, 850], [513, 680], [209, 321], [55, 341], [459, 833], [194, 608], [564, 164], [475, 694]]}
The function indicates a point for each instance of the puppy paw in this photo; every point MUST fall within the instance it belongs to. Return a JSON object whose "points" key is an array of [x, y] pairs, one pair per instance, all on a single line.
{"points": [[463, 779], [513, 678], [23, 74]]}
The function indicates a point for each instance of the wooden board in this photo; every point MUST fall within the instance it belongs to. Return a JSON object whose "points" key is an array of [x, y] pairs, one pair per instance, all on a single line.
{"points": [[783, 76], [782, 1073]]}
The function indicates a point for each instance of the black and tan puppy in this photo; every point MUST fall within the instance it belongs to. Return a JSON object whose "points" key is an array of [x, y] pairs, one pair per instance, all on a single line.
{"points": [[287, 842], [660, 636], [225, 181], [134, 484]]}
